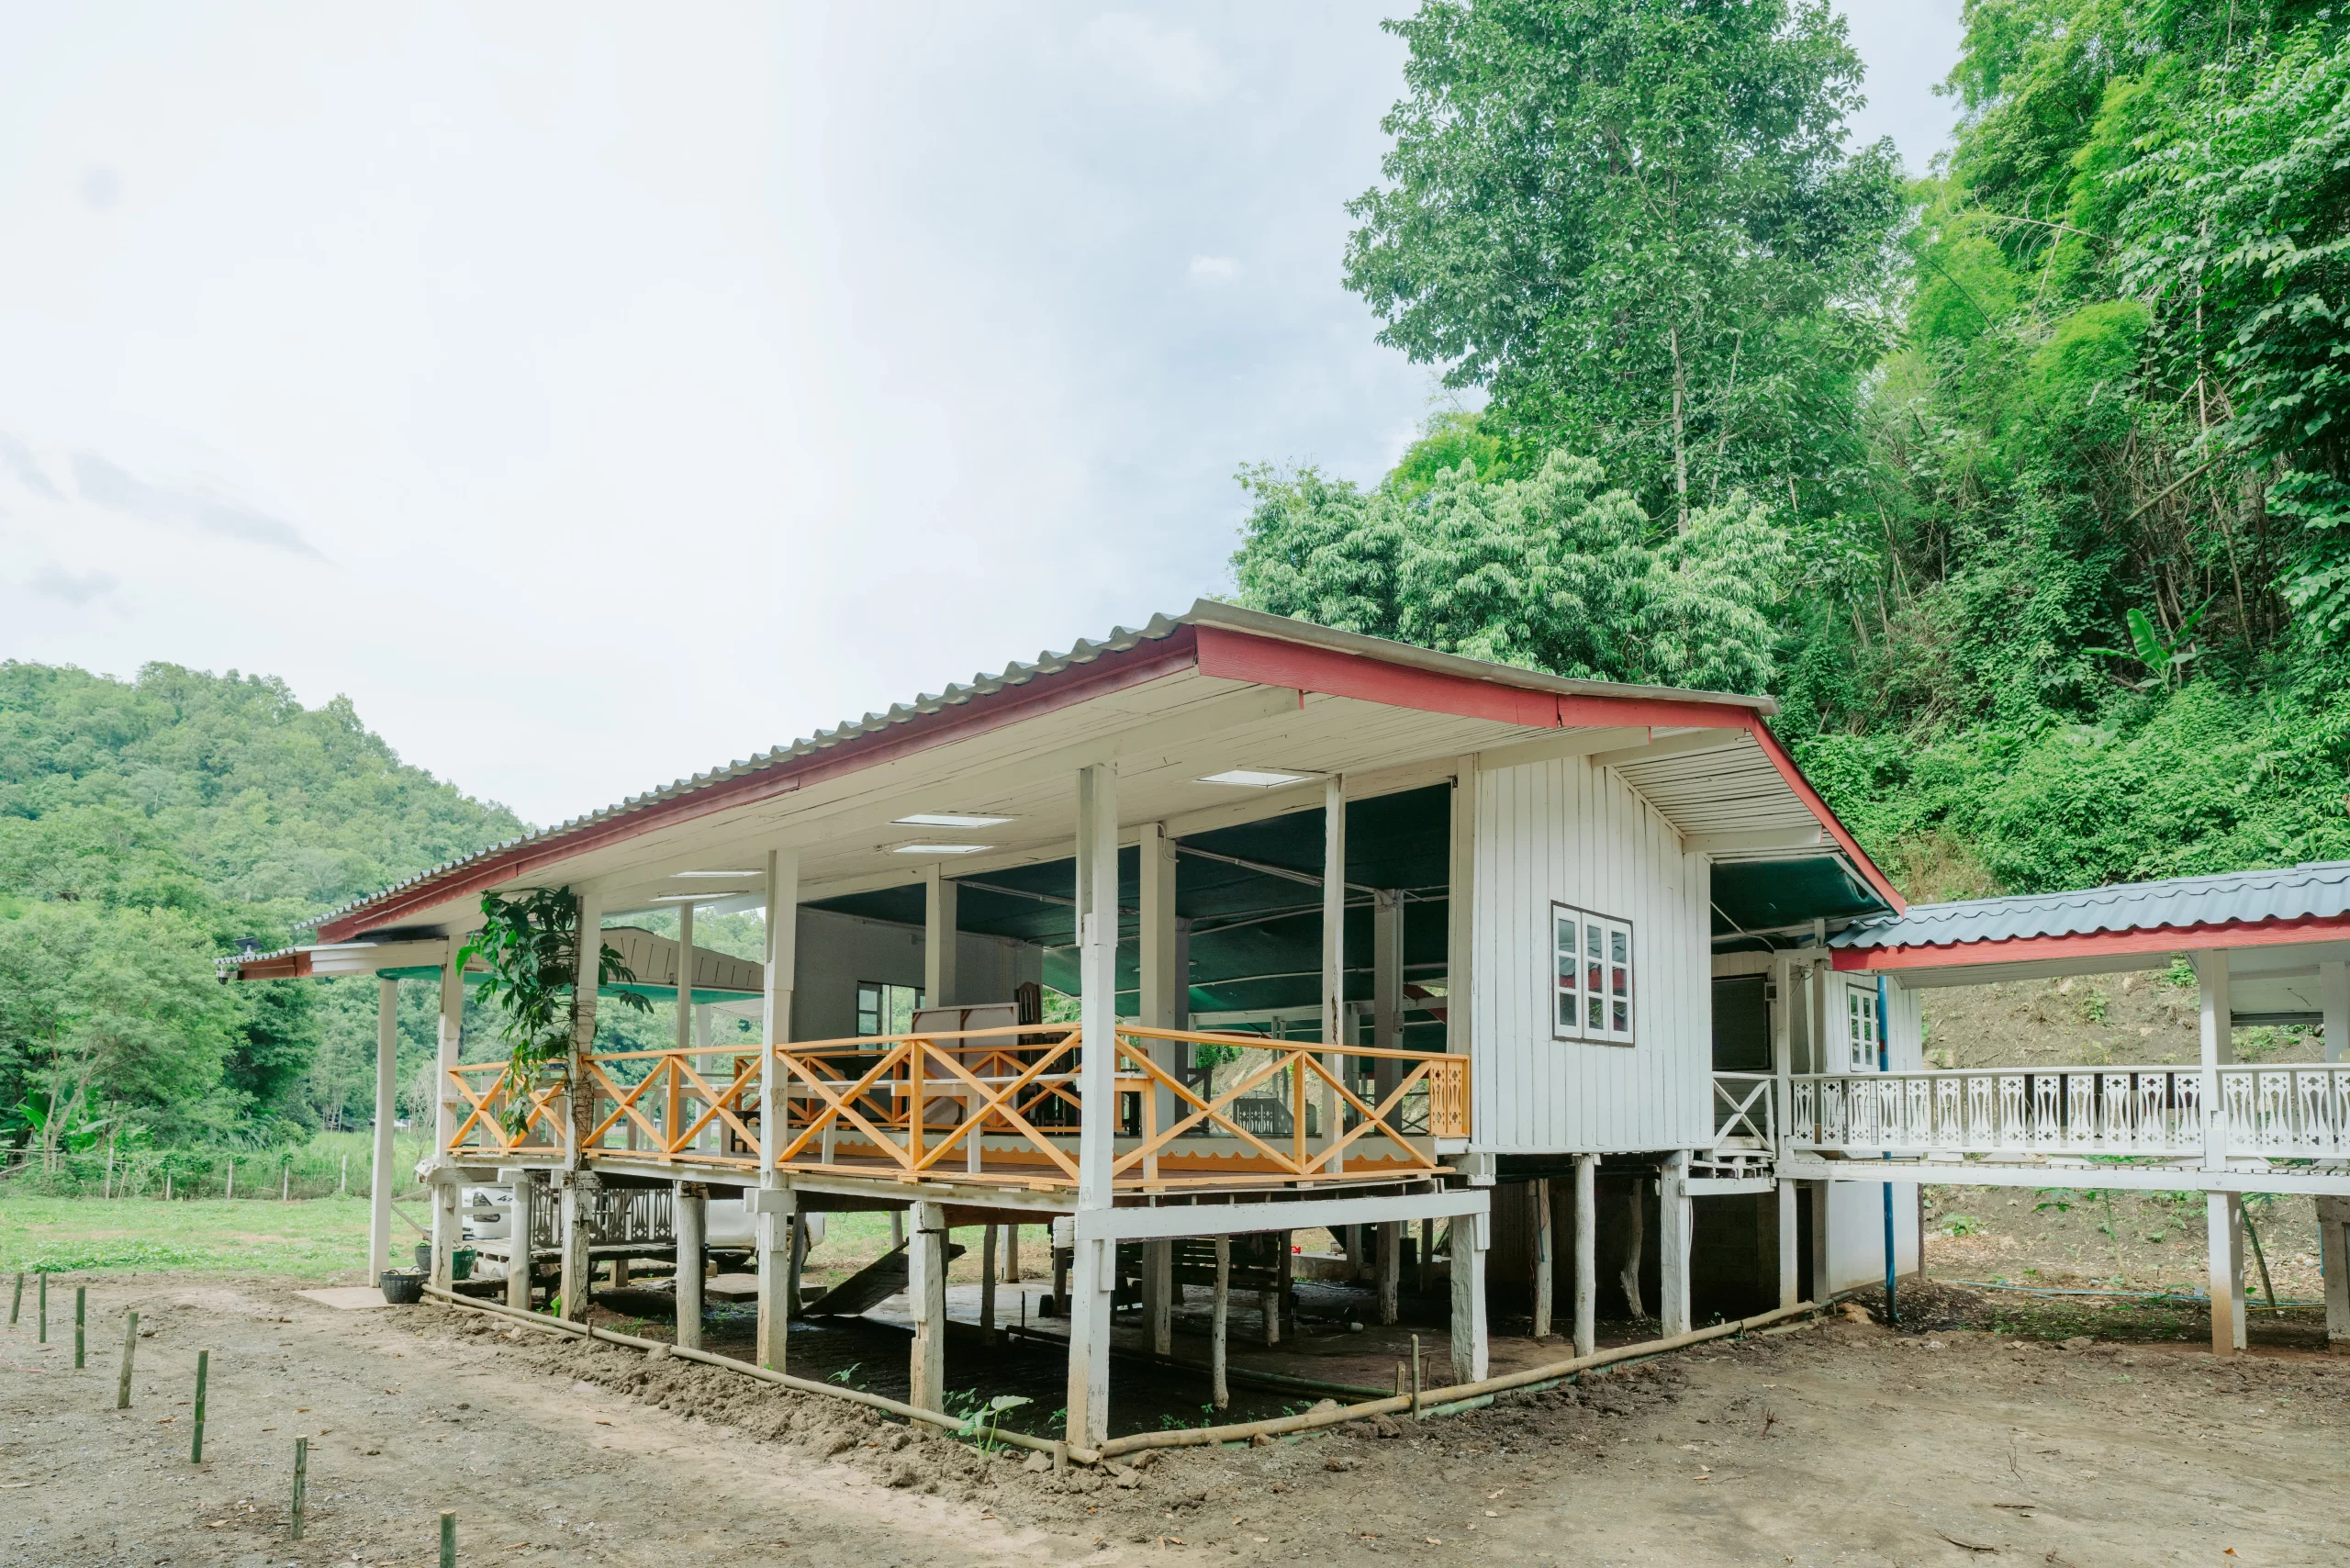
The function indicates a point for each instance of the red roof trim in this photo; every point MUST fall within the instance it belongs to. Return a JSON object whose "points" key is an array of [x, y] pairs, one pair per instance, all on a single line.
{"points": [[2092, 944], [1810, 796], [1113, 671], [287, 966]]}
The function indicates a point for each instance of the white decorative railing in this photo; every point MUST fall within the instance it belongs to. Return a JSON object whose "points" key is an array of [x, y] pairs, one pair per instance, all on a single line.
{"points": [[2301, 1111], [1742, 1111]]}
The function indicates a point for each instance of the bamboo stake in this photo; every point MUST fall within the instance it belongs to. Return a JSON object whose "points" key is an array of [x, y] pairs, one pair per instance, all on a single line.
{"points": [[16, 1302], [1415, 1377], [43, 1281], [302, 1491], [342, 1182], [195, 1438], [81, 1321], [129, 1343], [232, 1178], [448, 1540]]}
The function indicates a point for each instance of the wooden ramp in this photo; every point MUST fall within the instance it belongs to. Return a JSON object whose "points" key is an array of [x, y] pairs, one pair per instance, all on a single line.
{"points": [[869, 1286]]}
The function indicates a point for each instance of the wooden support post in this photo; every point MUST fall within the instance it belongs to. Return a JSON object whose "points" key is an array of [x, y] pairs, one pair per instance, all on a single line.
{"points": [[1219, 1324], [691, 1211], [1092, 1275], [576, 1209], [926, 1303], [448, 1224], [1335, 1019], [301, 1503], [2223, 1216], [1673, 1241], [2333, 1262], [195, 1431], [1164, 997], [798, 1266], [986, 1283], [379, 1178], [130, 1345], [939, 973], [1635, 1244], [2217, 1039], [1586, 1253], [1427, 1260], [522, 1219], [586, 981], [1790, 1195], [448, 1540], [16, 1302], [1469, 1345], [1158, 1294], [81, 1325], [43, 1337], [1011, 1254], [774, 1209], [1391, 1268], [1277, 1299], [1545, 1253]]}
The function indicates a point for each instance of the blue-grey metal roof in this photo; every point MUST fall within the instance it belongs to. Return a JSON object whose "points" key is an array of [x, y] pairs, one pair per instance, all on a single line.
{"points": [[2313, 890]]}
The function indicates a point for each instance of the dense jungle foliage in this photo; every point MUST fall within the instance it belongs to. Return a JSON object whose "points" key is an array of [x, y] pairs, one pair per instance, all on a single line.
{"points": [[2025, 485]]}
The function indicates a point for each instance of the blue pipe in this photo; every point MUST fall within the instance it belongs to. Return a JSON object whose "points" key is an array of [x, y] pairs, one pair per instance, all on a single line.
{"points": [[1885, 1064]]}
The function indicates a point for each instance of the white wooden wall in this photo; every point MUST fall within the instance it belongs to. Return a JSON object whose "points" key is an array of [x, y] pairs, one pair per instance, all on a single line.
{"points": [[1563, 830], [838, 950], [1856, 1209]]}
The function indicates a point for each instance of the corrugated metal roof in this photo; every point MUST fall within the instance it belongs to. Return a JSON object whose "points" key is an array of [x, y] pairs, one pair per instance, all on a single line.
{"points": [[1015, 674], [2313, 890]]}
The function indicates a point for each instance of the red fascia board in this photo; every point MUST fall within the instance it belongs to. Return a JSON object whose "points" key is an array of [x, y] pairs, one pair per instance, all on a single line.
{"points": [[292, 966], [1112, 672], [2094, 944], [1810, 797], [1270, 661]]}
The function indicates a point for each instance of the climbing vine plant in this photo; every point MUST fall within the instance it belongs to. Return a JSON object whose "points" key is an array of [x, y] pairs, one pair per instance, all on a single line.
{"points": [[530, 945]]}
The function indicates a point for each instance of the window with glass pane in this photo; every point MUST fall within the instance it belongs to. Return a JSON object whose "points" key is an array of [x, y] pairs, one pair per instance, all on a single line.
{"points": [[885, 1009], [1861, 1027], [1592, 970]]}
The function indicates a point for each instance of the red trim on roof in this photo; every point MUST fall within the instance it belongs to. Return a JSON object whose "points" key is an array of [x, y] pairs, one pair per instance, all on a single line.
{"points": [[287, 966], [1270, 661], [1043, 693], [2093, 944], [1810, 796]]}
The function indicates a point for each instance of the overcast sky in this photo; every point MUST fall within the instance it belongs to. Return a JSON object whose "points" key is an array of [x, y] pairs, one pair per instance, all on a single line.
{"points": [[597, 393]]}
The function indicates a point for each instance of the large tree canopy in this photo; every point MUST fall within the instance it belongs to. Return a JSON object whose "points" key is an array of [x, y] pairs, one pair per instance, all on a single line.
{"points": [[1635, 222]]}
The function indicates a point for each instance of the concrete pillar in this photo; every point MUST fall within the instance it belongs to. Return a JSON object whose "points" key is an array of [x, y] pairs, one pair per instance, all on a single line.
{"points": [[1164, 976], [1816, 1194], [1790, 1195], [691, 1209], [2333, 998], [379, 1186], [1391, 1268], [1386, 990], [1093, 1273], [773, 1210], [1544, 1251], [448, 1225], [521, 1219], [2217, 1030], [772, 1203], [1672, 1243], [1334, 1031], [986, 1283], [578, 1208], [681, 1036], [1218, 1324], [940, 982], [926, 1303], [2223, 1227], [2333, 1259], [1586, 1253], [1469, 1345], [1158, 1294]]}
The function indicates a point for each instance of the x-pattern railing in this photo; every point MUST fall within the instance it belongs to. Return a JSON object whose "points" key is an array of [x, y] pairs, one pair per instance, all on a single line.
{"points": [[486, 1118], [673, 1129]]}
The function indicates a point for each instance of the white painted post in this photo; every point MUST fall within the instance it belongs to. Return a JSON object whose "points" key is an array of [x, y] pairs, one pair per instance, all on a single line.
{"points": [[1093, 1271], [578, 1182], [1159, 959], [1782, 1050], [1391, 1269], [379, 1182], [574, 1207], [1543, 1253], [1460, 925], [772, 1239], [926, 1303], [939, 950], [1425, 1262], [2334, 997], [681, 1036], [2216, 1020], [2334, 1261], [448, 1226], [1790, 1195], [1673, 1244], [522, 1217], [1335, 1030], [1218, 1330], [986, 1283], [2223, 1230], [1586, 1253], [1158, 1294], [692, 1213], [1386, 990], [1012, 1254], [1468, 1344]]}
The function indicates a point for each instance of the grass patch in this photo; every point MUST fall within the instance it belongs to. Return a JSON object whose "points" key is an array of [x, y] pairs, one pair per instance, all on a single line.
{"points": [[320, 1240]]}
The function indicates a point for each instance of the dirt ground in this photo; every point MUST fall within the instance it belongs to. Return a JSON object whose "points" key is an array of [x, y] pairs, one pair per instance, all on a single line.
{"points": [[1841, 1442]]}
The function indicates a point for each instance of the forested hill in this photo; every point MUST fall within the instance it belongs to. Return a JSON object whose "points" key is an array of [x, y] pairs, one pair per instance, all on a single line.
{"points": [[147, 827], [2025, 485]]}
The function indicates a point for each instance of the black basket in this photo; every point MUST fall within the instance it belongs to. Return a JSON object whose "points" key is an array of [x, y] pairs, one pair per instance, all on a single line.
{"points": [[402, 1287]]}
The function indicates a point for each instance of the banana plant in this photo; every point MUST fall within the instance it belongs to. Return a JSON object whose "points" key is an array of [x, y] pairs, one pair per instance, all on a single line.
{"points": [[2166, 657]]}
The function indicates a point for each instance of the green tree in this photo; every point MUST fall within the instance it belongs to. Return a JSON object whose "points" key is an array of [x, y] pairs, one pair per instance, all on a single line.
{"points": [[1635, 223]]}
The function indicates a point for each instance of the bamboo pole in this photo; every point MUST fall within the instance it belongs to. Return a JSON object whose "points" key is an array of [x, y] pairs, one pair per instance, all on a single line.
{"points": [[129, 1343], [448, 1540], [80, 1319], [195, 1438], [43, 1281], [1194, 1437], [16, 1302], [302, 1487]]}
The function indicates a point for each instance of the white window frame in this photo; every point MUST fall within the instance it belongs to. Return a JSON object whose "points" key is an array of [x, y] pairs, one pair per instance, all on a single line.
{"points": [[1864, 1029], [1572, 994]]}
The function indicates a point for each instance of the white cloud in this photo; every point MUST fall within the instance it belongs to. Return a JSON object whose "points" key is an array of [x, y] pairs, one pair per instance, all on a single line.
{"points": [[53, 581], [1172, 62], [1214, 269]]}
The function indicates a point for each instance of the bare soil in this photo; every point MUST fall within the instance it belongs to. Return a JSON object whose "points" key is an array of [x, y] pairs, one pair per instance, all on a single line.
{"points": [[1841, 1442]]}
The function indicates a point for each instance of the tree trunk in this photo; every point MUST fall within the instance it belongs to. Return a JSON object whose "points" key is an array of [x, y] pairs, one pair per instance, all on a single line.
{"points": [[1680, 432]]}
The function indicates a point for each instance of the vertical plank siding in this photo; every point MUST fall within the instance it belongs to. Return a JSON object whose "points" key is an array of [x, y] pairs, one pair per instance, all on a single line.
{"points": [[1563, 830]]}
